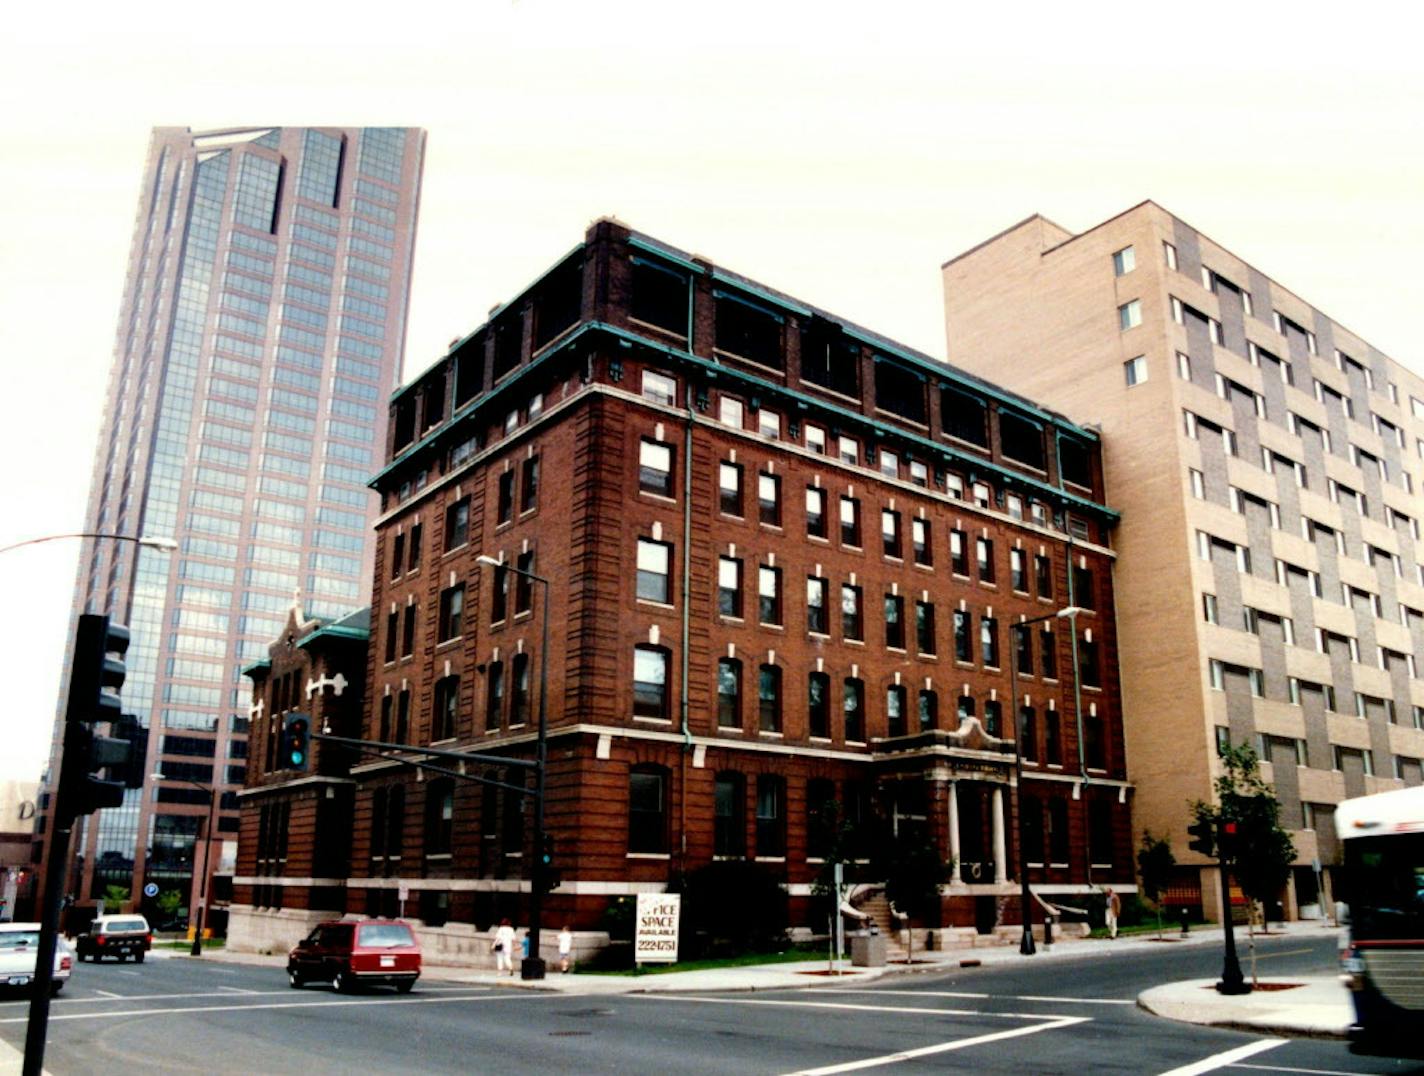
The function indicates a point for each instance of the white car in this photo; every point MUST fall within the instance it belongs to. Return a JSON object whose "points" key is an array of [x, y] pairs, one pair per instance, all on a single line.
{"points": [[19, 945]]}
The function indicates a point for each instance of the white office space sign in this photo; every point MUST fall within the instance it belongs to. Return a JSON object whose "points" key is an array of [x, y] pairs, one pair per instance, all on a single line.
{"points": [[656, 938]]}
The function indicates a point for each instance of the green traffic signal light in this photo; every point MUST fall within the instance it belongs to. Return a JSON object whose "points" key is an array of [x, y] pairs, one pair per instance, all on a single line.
{"points": [[296, 741]]}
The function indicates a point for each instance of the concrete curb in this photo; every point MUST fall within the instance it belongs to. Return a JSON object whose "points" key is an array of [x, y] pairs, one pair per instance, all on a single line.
{"points": [[1314, 1006]]}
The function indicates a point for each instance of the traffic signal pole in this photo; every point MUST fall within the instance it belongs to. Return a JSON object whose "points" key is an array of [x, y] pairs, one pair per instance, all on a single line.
{"points": [[55, 871], [1232, 981]]}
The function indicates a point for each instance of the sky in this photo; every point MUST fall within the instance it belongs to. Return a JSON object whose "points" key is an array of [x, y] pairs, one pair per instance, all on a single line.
{"points": [[839, 153]]}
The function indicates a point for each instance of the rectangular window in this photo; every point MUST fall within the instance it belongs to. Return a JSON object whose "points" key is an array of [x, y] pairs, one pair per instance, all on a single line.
{"points": [[895, 621], [890, 533], [815, 512], [457, 524], [730, 412], [963, 637], [654, 570], [817, 615], [1018, 570], [769, 424], [729, 586], [1135, 370], [925, 627], [984, 548], [523, 585], [529, 484], [1043, 575], [505, 510], [1129, 315], [851, 625], [769, 499], [850, 522], [769, 595], [920, 540], [848, 448], [959, 552], [408, 632], [650, 667], [655, 467], [452, 608], [729, 484], [989, 641], [815, 439], [659, 388], [1124, 261], [1169, 254]]}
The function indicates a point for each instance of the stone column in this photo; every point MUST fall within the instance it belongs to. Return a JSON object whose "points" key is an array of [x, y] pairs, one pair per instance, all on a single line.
{"points": [[958, 877], [1000, 856]]}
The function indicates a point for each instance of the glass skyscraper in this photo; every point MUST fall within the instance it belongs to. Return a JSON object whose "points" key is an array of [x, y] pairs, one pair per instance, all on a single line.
{"points": [[261, 330]]}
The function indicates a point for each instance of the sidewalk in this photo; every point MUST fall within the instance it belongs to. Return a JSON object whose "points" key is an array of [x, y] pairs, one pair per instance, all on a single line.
{"points": [[1313, 1005]]}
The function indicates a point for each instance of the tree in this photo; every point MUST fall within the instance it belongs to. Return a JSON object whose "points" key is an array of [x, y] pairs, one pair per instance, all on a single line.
{"points": [[169, 901], [1154, 864], [114, 897], [913, 873], [1259, 853]]}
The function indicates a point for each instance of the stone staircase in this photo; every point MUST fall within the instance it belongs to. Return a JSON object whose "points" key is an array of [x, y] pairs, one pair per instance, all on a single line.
{"points": [[874, 904]]}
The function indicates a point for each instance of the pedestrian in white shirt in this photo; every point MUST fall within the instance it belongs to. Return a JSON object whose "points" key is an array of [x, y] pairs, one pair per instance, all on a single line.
{"points": [[503, 946]]}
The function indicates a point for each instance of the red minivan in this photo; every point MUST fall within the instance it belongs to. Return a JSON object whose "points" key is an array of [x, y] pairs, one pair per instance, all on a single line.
{"points": [[348, 953]]}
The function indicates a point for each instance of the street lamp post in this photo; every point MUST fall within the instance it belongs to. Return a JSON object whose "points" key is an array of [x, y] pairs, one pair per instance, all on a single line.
{"points": [[1026, 945], [197, 949], [167, 545], [532, 966]]}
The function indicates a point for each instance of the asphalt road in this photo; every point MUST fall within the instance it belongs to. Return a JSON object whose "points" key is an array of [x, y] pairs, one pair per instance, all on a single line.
{"points": [[1065, 1016]]}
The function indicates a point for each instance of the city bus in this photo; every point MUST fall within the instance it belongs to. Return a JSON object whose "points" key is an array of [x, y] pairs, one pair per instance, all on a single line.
{"points": [[1383, 959]]}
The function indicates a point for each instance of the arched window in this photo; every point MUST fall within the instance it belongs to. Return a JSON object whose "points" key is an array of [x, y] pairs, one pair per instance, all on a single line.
{"points": [[853, 707], [729, 827], [729, 693], [769, 698], [895, 710], [771, 816], [647, 809], [818, 705], [929, 710], [519, 690]]}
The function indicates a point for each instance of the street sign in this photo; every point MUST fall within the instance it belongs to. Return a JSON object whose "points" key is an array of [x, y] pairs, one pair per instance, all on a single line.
{"points": [[403, 892], [151, 890], [656, 939]]}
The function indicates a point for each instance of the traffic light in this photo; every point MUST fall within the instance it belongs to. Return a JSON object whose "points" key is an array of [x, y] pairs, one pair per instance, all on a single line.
{"points": [[1228, 840], [1203, 837], [549, 875], [95, 771], [296, 742]]}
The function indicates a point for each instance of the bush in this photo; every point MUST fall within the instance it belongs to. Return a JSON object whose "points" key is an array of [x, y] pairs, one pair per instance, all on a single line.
{"points": [[731, 907]]}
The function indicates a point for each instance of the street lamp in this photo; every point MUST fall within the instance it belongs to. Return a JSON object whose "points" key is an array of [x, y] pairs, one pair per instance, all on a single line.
{"points": [[1026, 946], [167, 545], [532, 966], [197, 949]]}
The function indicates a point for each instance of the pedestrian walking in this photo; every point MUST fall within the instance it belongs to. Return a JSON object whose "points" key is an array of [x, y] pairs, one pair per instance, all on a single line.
{"points": [[1111, 910], [566, 948], [503, 946]]}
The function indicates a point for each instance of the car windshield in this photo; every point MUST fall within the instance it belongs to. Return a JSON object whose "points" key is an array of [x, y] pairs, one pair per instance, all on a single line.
{"points": [[19, 939], [386, 935], [126, 924]]}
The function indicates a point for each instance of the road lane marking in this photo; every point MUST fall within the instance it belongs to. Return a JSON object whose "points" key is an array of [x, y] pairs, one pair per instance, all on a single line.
{"points": [[181, 1009], [942, 1047], [1226, 1058], [972, 996], [1284, 952], [240, 990], [66, 1001], [1283, 1068], [102, 993], [848, 1007]]}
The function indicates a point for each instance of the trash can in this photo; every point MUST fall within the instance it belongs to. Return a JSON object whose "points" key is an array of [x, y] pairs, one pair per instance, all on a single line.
{"points": [[867, 950]]}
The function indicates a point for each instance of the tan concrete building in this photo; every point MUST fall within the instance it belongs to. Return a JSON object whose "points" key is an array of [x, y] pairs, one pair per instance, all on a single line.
{"points": [[1267, 462]]}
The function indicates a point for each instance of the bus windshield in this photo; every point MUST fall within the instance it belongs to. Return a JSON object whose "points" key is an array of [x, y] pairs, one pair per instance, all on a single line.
{"points": [[1386, 886]]}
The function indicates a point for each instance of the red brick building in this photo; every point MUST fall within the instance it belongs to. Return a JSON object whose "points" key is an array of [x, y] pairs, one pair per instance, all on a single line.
{"points": [[783, 555]]}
